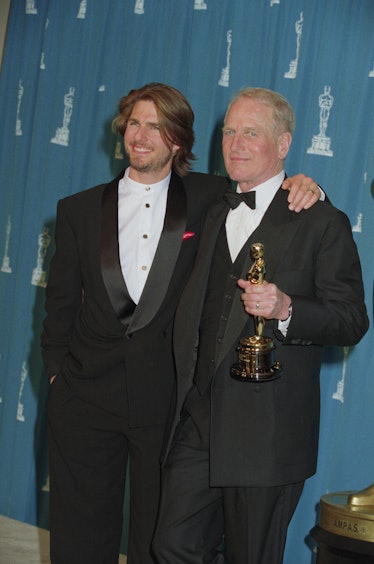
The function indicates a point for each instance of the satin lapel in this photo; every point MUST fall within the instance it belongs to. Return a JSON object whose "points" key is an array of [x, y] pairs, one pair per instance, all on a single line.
{"points": [[275, 232], [109, 254], [166, 256]]}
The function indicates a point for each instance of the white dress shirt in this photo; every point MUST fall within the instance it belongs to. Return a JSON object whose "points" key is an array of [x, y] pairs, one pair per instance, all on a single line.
{"points": [[141, 215], [242, 221]]}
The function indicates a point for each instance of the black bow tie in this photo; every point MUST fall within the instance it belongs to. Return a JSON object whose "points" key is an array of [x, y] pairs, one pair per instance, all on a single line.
{"points": [[235, 198]]}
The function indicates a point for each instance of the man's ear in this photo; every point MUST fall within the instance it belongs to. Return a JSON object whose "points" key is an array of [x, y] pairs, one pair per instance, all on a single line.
{"points": [[284, 144]]}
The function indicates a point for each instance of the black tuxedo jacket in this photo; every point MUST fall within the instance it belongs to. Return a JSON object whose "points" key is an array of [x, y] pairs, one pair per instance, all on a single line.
{"points": [[265, 434], [111, 352]]}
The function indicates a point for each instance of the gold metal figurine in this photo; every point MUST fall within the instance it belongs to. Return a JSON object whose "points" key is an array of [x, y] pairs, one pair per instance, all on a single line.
{"points": [[256, 275], [255, 353]]}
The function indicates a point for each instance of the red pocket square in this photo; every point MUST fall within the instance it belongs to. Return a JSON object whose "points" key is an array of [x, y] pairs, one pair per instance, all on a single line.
{"points": [[188, 235]]}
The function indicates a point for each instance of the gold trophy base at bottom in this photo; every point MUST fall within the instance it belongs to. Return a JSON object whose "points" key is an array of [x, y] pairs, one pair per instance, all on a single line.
{"points": [[256, 363], [349, 514]]}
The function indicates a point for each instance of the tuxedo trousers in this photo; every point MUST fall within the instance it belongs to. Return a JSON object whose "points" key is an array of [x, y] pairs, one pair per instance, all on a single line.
{"points": [[200, 524], [88, 450]]}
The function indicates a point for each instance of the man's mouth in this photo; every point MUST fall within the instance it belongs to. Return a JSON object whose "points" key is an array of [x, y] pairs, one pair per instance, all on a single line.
{"points": [[140, 150]]}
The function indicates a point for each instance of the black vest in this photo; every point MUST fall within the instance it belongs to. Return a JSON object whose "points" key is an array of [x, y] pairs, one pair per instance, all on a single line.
{"points": [[221, 288]]}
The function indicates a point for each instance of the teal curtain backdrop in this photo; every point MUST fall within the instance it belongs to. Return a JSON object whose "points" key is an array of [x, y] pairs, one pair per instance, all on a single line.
{"points": [[65, 67]]}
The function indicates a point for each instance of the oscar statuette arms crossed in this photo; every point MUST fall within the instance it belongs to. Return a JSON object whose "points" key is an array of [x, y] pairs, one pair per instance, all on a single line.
{"points": [[255, 353]]}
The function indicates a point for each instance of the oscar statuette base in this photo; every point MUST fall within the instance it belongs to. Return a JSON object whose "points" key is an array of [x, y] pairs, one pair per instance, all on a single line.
{"points": [[256, 363]]}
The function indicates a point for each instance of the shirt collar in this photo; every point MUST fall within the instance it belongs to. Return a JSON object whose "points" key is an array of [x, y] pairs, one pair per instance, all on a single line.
{"points": [[266, 191], [128, 186]]}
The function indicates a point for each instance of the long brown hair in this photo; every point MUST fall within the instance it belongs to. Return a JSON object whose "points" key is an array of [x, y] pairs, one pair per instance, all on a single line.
{"points": [[175, 116]]}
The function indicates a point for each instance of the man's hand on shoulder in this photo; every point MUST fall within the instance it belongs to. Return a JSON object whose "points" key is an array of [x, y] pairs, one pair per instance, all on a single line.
{"points": [[304, 192]]}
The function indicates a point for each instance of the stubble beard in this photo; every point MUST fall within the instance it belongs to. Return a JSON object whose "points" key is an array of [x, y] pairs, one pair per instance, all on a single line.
{"points": [[153, 165]]}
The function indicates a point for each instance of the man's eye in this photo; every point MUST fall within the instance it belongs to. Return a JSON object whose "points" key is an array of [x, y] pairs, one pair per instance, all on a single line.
{"points": [[228, 132]]}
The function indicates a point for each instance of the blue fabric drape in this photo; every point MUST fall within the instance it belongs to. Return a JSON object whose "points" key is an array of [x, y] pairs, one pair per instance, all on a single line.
{"points": [[65, 67]]}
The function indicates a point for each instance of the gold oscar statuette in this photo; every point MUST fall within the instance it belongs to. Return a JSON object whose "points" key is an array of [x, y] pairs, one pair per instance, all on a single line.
{"points": [[255, 353]]}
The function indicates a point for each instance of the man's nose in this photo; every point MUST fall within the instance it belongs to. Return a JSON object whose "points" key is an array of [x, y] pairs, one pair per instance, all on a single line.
{"points": [[141, 132], [237, 141]]}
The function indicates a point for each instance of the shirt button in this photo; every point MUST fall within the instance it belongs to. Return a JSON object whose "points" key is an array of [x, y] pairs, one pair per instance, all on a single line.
{"points": [[147, 188], [147, 205], [145, 236], [144, 267]]}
